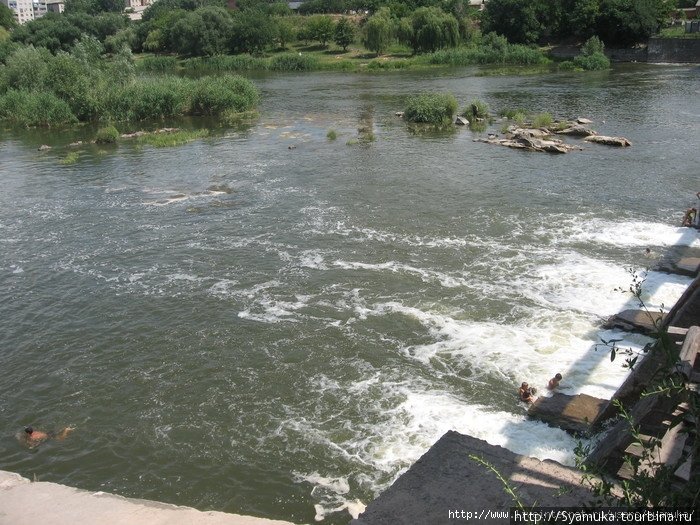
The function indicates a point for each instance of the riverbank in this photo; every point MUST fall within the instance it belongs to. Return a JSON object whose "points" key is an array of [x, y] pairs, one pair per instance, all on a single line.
{"points": [[23, 502]]}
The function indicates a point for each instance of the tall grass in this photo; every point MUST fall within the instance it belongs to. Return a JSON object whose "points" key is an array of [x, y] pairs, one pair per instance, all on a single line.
{"points": [[225, 63], [431, 108], [40, 89], [510, 54], [293, 62], [157, 64]]}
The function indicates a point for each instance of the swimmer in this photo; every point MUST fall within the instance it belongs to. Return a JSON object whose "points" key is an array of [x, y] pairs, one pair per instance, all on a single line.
{"points": [[689, 217], [34, 437], [525, 393], [554, 382]]}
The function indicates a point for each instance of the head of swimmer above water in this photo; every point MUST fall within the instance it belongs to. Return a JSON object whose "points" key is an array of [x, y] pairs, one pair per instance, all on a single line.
{"points": [[29, 430]]}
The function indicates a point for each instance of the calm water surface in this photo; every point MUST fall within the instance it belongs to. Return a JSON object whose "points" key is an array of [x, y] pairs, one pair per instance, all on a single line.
{"points": [[239, 326]]}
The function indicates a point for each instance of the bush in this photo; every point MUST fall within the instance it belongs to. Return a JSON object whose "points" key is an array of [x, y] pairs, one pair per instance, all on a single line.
{"points": [[431, 108], [214, 96], [594, 62], [107, 135], [542, 120], [476, 110], [331, 135], [293, 62], [157, 64], [225, 63], [35, 109]]}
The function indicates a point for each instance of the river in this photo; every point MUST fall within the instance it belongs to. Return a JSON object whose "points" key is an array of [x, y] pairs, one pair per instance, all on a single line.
{"points": [[268, 322]]}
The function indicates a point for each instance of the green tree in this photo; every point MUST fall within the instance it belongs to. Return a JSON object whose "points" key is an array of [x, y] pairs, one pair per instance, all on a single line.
{"points": [[205, 31], [522, 21], [321, 28], [253, 31], [433, 29], [626, 22], [7, 18], [378, 32], [344, 33], [285, 32]]}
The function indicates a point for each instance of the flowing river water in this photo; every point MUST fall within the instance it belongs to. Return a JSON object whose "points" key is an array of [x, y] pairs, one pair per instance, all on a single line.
{"points": [[240, 326]]}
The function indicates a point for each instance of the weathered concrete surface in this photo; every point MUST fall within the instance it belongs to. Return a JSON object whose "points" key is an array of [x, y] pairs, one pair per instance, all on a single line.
{"points": [[446, 479], [683, 266], [578, 413], [635, 321], [25, 503]]}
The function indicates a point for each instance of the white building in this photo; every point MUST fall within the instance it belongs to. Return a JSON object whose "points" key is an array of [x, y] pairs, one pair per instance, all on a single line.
{"points": [[39, 8], [135, 8], [55, 6], [22, 9]]}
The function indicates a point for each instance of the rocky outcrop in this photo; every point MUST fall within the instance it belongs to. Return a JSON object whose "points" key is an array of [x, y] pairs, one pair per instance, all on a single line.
{"points": [[577, 130], [643, 321], [136, 134], [461, 121], [620, 142], [530, 140], [573, 413]]}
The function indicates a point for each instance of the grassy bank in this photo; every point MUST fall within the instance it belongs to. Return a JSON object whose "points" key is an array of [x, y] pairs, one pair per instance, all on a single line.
{"points": [[41, 89], [355, 58]]}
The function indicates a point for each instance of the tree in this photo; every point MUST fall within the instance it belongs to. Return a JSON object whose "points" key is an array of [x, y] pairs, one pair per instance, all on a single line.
{"points": [[433, 29], [522, 21], [344, 33], [285, 32], [7, 18], [253, 31], [321, 28], [205, 31], [378, 32], [626, 22]]}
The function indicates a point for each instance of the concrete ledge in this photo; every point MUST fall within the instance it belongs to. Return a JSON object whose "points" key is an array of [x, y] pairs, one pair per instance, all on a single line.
{"points": [[446, 479], [573, 413], [25, 503], [636, 321]]}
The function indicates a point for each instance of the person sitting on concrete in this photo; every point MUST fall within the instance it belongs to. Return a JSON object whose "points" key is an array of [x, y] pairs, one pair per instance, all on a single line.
{"points": [[554, 382], [34, 437], [525, 393], [689, 218]]}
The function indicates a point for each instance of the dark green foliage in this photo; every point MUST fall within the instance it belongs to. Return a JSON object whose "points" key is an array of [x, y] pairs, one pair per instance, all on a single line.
{"points": [[107, 135], [205, 31], [253, 31], [431, 108], [58, 32], [7, 18], [225, 63], [344, 33], [521, 21], [626, 22], [285, 32]]}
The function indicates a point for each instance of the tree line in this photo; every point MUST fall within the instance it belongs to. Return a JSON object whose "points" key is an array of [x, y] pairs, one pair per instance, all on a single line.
{"points": [[208, 27]]}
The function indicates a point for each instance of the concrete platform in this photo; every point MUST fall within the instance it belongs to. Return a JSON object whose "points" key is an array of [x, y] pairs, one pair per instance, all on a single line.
{"points": [[580, 413], [636, 321], [446, 481], [23, 502]]}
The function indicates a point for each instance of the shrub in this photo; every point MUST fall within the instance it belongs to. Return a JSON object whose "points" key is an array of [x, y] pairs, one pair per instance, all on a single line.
{"points": [[331, 135], [71, 158], [35, 109], [293, 62], [157, 63], [594, 62], [176, 138], [214, 96], [107, 135], [476, 110], [542, 120], [431, 108]]}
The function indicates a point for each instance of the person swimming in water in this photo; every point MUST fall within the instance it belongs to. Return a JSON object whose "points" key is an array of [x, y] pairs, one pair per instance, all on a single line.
{"points": [[554, 382], [525, 393], [34, 437]]}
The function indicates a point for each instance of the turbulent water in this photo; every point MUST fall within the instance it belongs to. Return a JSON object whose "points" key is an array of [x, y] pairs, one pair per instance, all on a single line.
{"points": [[240, 326]]}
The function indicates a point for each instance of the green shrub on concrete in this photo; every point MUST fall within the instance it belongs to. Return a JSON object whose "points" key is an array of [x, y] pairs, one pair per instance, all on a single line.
{"points": [[431, 108]]}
